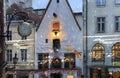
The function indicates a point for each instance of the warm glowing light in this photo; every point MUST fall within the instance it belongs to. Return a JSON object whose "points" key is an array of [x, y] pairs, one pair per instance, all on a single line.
{"points": [[70, 76], [110, 73], [56, 33], [69, 48]]}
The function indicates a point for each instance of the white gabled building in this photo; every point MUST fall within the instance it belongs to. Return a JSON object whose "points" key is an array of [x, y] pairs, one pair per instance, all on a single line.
{"points": [[59, 42]]}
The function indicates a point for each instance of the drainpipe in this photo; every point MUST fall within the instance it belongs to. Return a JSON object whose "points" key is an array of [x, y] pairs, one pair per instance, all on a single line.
{"points": [[85, 44]]}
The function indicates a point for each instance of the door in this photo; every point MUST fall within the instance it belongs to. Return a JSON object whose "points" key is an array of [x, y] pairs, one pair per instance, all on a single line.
{"points": [[56, 75]]}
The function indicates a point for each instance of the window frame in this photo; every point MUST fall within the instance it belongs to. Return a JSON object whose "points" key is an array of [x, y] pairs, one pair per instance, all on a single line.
{"points": [[117, 28], [66, 55], [23, 38], [100, 25], [116, 50], [56, 44], [99, 52], [23, 55], [9, 55], [56, 26], [9, 35], [9, 16], [41, 59], [99, 3]]}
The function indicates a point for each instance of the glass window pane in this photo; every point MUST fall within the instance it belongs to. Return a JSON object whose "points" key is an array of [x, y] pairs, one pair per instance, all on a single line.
{"points": [[101, 2], [43, 60], [100, 24], [98, 53], [117, 23], [116, 52], [69, 60]]}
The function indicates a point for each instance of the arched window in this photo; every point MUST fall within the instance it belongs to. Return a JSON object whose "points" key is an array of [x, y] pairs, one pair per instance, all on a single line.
{"points": [[116, 52], [98, 52]]}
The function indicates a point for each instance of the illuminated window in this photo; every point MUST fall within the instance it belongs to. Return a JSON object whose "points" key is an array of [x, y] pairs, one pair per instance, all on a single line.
{"points": [[43, 60], [56, 63], [69, 60], [98, 53], [56, 26], [116, 52]]}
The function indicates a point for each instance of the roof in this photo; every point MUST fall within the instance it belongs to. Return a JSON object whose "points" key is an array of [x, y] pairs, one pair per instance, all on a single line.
{"points": [[69, 8], [32, 16]]}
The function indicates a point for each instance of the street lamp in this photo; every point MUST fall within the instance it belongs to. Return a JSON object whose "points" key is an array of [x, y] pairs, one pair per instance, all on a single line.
{"points": [[15, 60]]}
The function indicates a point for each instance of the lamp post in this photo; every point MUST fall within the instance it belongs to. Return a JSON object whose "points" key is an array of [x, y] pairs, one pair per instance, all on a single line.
{"points": [[15, 60]]}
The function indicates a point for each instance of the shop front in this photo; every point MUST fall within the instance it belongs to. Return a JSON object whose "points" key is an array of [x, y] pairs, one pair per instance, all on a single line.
{"points": [[99, 72], [115, 72]]}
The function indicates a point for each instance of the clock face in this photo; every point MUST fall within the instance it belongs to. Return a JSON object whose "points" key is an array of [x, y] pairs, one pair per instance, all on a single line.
{"points": [[24, 29]]}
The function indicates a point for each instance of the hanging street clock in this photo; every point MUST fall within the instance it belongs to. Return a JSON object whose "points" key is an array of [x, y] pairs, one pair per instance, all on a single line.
{"points": [[24, 29]]}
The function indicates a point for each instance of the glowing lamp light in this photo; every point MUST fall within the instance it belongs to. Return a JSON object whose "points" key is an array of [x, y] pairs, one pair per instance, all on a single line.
{"points": [[70, 48], [56, 33]]}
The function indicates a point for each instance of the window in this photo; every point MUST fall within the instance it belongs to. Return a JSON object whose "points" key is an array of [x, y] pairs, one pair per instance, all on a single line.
{"points": [[9, 35], [98, 53], [100, 24], [56, 44], [23, 37], [56, 63], [8, 17], [117, 1], [100, 2], [69, 60], [43, 60], [116, 52], [23, 54], [9, 55], [56, 26], [117, 23]]}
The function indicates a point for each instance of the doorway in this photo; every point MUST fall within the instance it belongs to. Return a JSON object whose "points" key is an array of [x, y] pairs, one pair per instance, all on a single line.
{"points": [[9, 76], [22, 75], [56, 75]]}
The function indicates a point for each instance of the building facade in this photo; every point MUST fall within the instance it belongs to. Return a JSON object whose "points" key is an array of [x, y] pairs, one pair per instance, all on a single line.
{"points": [[2, 60], [18, 45], [102, 38], [59, 42]]}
